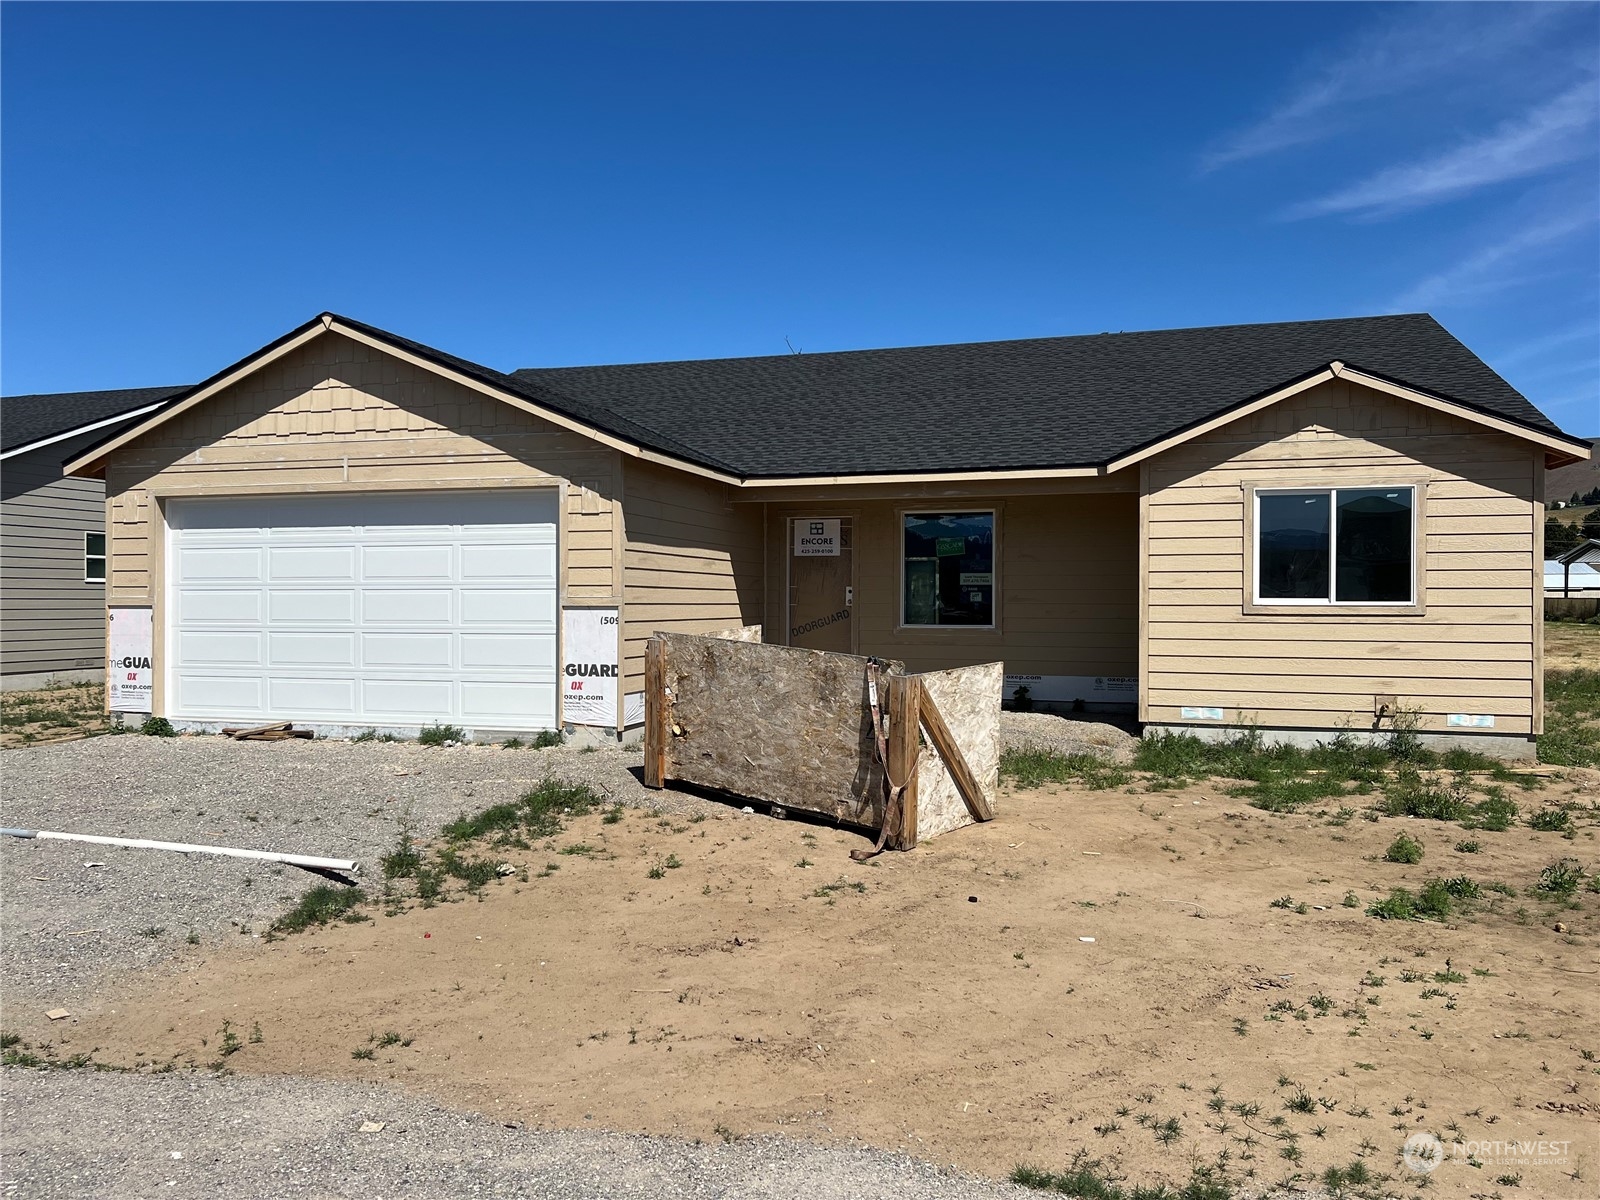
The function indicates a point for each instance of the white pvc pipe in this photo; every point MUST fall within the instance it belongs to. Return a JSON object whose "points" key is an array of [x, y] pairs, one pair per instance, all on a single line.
{"points": [[346, 865]]}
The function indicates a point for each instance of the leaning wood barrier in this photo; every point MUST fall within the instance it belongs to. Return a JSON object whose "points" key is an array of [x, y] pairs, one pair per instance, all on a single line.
{"points": [[795, 728]]}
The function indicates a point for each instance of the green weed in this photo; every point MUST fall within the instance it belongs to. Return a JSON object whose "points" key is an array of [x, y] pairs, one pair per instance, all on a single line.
{"points": [[1404, 849], [538, 813], [1551, 820], [1032, 768], [1560, 879], [1571, 735], [438, 734], [321, 905]]}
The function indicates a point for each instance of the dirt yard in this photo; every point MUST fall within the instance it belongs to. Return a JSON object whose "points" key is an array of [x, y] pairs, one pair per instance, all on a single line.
{"points": [[1156, 979], [1569, 644], [52, 714]]}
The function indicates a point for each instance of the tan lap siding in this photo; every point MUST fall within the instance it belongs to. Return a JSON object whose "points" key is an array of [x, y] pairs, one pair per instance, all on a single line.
{"points": [[692, 560], [336, 416], [1471, 651], [1068, 583]]}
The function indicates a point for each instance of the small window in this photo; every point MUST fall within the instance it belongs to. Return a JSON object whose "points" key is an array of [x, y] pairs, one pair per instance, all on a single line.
{"points": [[94, 558], [1336, 546], [949, 569]]}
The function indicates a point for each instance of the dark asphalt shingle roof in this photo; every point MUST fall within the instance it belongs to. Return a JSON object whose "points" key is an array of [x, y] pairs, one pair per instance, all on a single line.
{"points": [[980, 406], [25, 419], [1041, 402]]}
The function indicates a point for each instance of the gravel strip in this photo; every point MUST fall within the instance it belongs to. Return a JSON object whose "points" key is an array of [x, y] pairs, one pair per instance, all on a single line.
{"points": [[80, 1133], [69, 926], [1101, 737]]}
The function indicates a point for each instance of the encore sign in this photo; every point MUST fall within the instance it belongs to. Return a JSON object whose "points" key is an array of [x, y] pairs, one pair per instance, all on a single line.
{"points": [[816, 538]]}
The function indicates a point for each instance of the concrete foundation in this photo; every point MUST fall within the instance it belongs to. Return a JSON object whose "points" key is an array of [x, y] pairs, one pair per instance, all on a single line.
{"points": [[33, 680], [575, 735], [1511, 747]]}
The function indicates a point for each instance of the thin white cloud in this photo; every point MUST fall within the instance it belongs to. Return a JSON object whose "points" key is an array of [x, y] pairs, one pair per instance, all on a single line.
{"points": [[1493, 268], [1410, 50], [1555, 132], [1586, 332]]}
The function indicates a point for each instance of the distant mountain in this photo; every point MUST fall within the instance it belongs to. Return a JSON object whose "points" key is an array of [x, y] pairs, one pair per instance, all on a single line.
{"points": [[1579, 477]]}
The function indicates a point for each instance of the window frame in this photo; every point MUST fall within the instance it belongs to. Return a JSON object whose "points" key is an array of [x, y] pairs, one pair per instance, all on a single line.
{"points": [[104, 556], [1331, 606], [992, 511]]}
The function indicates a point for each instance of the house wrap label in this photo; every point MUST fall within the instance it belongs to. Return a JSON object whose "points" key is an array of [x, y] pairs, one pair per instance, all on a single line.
{"points": [[130, 669], [589, 666]]}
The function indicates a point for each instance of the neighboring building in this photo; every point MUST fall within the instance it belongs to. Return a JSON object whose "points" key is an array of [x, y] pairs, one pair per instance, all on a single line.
{"points": [[1575, 573], [52, 534], [1301, 527]]}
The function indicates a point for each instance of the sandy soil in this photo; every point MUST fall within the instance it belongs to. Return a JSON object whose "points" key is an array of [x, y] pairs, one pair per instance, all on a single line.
{"points": [[1068, 977], [53, 714], [1568, 645]]}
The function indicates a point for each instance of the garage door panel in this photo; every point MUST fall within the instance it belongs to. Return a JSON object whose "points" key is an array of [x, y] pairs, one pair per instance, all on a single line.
{"points": [[420, 651], [405, 607], [326, 699], [510, 607], [218, 564], [307, 564], [416, 699], [371, 609], [511, 563], [232, 649], [487, 651], [311, 650], [409, 563], [503, 703], [219, 607], [237, 695], [311, 608]]}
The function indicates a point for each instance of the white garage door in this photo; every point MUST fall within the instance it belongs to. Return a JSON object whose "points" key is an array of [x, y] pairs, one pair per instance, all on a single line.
{"points": [[376, 610]]}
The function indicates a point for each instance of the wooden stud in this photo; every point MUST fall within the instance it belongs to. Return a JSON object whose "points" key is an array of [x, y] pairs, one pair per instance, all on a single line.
{"points": [[905, 702], [657, 713], [945, 743]]}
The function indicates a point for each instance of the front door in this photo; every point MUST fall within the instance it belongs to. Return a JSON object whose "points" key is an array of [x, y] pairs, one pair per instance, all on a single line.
{"points": [[821, 591]]}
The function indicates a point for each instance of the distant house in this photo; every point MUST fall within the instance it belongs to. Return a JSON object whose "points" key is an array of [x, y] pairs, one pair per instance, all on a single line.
{"points": [[1298, 528], [52, 533]]}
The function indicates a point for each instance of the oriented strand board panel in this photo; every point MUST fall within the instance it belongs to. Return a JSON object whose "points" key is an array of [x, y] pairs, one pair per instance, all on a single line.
{"points": [[745, 633], [1473, 648], [968, 698], [788, 726]]}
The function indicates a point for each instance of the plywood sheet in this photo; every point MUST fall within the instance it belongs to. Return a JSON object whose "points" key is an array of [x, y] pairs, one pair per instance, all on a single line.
{"points": [[969, 700], [781, 724], [745, 633]]}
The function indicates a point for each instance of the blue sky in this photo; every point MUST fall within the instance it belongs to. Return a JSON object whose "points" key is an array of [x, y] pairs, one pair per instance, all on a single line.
{"points": [[546, 185]]}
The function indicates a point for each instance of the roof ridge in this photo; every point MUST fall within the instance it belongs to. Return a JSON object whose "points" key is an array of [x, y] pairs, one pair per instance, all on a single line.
{"points": [[991, 342]]}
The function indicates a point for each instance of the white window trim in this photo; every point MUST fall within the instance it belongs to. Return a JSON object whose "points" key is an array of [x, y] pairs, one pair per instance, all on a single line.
{"points": [[1331, 602], [104, 557], [994, 567]]}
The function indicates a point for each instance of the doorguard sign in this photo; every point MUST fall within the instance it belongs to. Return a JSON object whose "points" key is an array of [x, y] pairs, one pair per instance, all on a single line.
{"points": [[816, 538], [130, 672], [589, 667]]}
